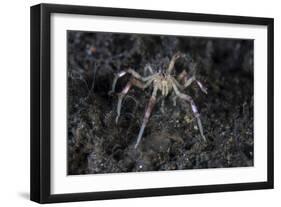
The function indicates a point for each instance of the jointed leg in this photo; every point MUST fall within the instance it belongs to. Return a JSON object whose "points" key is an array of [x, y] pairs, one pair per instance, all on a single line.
{"points": [[193, 107], [163, 106], [116, 77], [148, 68], [173, 61], [125, 90], [190, 80], [147, 113], [133, 73], [182, 77], [140, 84], [174, 100], [120, 99], [201, 87]]}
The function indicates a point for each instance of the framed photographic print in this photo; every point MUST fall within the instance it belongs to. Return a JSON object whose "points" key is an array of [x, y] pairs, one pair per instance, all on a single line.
{"points": [[132, 103]]}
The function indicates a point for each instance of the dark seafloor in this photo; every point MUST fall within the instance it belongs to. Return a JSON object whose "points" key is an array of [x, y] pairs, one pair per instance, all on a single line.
{"points": [[171, 141]]}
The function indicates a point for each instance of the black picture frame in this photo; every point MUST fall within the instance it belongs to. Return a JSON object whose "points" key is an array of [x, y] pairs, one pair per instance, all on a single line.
{"points": [[41, 94]]}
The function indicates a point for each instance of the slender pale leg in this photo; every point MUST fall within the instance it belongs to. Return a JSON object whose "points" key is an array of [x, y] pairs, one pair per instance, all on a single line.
{"points": [[204, 89], [147, 113], [193, 107], [133, 73], [120, 99], [163, 106], [148, 68], [126, 89], [188, 82], [182, 77], [174, 100], [173, 61]]}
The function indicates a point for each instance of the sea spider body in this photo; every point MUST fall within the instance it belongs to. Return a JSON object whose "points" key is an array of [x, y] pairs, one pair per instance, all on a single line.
{"points": [[163, 81]]}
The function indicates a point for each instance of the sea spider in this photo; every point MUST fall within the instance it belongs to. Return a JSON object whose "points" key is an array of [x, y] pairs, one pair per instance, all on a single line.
{"points": [[162, 81]]}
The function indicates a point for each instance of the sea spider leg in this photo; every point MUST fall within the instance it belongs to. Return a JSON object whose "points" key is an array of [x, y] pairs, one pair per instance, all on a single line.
{"points": [[193, 107], [116, 77], [141, 85], [192, 79], [183, 77], [133, 73], [177, 83], [189, 81], [173, 61], [203, 88], [174, 95], [147, 113], [148, 68], [163, 106], [174, 99], [120, 98], [126, 89]]}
